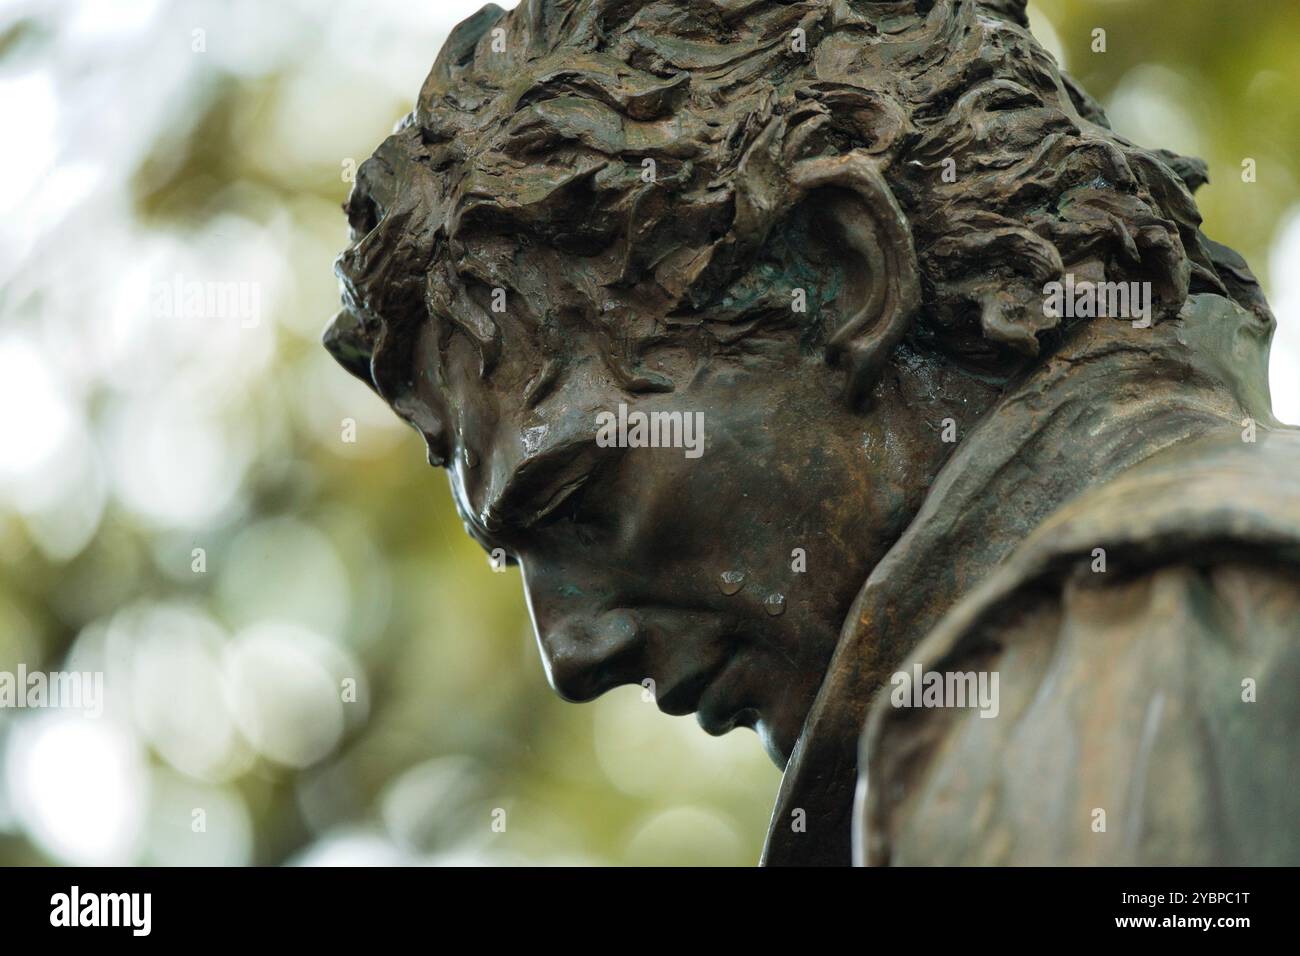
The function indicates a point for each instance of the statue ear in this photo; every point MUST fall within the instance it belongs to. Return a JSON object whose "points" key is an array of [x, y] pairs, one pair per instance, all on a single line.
{"points": [[882, 287]]}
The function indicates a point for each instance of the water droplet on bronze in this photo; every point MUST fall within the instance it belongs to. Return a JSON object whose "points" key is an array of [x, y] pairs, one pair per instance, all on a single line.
{"points": [[471, 459], [775, 604], [731, 582]]}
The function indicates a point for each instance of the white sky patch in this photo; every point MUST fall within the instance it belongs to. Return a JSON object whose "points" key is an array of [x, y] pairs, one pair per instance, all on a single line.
{"points": [[79, 787], [1150, 105], [1284, 366], [1041, 26], [37, 415], [31, 111]]}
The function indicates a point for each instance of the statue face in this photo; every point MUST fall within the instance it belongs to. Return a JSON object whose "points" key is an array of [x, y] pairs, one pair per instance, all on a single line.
{"points": [[722, 578]]}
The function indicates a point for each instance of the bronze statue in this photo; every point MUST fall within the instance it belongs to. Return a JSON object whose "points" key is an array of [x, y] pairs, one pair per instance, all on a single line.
{"points": [[832, 365]]}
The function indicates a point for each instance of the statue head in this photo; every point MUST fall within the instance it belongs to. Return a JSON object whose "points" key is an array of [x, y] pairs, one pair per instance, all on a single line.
{"points": [[683, 294]]}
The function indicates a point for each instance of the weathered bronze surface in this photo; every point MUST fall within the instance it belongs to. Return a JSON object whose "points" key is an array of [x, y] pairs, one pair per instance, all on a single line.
{"points": [[828, 231]]}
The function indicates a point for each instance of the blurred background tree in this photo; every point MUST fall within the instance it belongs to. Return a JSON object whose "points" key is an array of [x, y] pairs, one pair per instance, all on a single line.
{"points": [[305, 658]]}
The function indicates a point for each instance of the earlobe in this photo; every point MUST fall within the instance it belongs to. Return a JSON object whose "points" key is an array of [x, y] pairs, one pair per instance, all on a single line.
{"points": [[886, 291]]}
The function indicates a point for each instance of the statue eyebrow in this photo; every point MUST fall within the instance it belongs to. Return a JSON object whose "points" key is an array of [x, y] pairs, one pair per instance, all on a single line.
{"points": [[541, 484]]}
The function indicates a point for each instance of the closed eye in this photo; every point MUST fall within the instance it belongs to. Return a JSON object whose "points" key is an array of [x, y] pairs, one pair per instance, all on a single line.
{"points": [[564, 505], [552, 491]]}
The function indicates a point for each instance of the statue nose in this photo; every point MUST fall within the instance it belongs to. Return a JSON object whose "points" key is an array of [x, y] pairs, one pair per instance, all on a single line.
{"points": [[585, 656]]}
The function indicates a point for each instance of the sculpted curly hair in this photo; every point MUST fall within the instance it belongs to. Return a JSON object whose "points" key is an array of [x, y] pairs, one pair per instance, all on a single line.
{"points": [[536, 127]]}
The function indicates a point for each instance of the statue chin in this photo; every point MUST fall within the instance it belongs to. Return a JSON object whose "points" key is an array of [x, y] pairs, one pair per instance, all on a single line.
{"points": [[778, 747]]}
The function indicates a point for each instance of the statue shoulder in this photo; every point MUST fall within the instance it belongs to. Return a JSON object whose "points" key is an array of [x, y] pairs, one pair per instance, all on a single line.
{"points": [[1119, 691], [1232, 489]]}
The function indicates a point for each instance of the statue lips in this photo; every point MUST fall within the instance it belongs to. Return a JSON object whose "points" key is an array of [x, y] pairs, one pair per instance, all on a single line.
{"points": [[683, 696], [711, 696]]}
